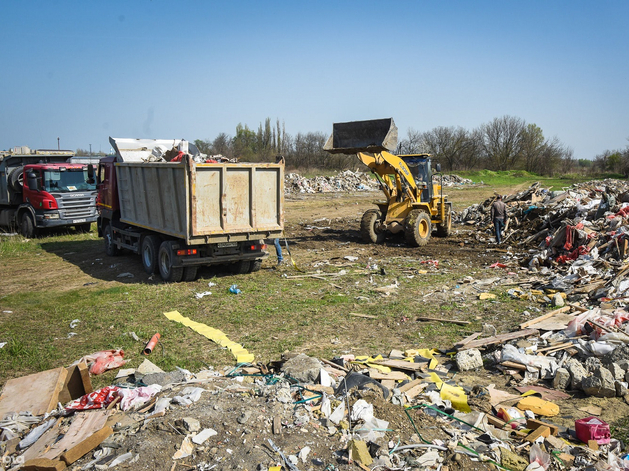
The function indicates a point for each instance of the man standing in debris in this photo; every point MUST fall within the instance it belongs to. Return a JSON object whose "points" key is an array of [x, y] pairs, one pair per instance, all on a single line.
{"points": [[278, 250], [498, 216]]}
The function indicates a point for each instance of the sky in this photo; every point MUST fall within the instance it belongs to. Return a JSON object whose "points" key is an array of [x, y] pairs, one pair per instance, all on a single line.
{"points": [[82, 71]]}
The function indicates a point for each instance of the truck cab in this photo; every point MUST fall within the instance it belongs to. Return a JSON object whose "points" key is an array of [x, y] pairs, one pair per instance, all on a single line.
{"points": [[39, 189]]}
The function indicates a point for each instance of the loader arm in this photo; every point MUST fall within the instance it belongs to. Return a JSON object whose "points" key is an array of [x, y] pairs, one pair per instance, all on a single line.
{"points": [[383, 164]]}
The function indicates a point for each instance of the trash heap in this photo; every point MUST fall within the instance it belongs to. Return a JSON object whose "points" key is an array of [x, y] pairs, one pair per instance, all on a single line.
{"points": [[346, 180], [404, 410], [453, 180]]}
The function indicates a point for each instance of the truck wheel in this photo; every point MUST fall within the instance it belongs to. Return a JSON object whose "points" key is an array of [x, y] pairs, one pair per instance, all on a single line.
{"points": [[417, 228], [444, 229], [149, 252], [111, 249], [28, 226], [83, 228], [241, 267], [190, 273], [255, 265], [166, 269], [368, 227], [16, 179]]}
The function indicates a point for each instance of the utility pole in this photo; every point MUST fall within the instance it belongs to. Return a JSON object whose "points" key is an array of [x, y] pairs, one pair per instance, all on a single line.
{"points": [[90, 149], [58, 146]]}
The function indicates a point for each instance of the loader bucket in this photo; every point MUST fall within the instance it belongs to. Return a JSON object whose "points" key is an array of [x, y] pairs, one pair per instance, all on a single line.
{"points": [[375, 135]]}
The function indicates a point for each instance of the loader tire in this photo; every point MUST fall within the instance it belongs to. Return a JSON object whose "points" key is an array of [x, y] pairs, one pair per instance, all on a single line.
{"points": [[368, 227], [445, 228], [166, 260], [417, 228]]}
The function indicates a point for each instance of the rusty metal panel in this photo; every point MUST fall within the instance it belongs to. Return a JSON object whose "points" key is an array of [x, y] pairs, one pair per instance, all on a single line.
{"points": [[237, 199], [154, 196]]}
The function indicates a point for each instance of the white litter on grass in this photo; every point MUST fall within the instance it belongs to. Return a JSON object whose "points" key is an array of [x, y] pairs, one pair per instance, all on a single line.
{"points": [[210, 284], [74, 323], [200, 295], [303, 454], [188, 396], [2, 344], [351, 258]]}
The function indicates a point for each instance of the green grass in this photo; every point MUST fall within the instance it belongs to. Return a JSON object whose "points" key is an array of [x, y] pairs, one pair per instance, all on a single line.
{"points": [[510, 178]]}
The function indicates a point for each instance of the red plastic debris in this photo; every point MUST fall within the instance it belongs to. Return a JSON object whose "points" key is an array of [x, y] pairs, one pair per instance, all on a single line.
{"points": [[435, 263], [592, 428], [106, 360], [498, 265], [95, 400]]}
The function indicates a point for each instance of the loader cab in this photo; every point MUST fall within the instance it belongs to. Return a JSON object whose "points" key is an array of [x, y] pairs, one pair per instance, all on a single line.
{"points": [[419, 165]]}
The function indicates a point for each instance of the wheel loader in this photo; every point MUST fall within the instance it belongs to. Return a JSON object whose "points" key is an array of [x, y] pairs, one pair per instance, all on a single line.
{"points": [[414, 204]]}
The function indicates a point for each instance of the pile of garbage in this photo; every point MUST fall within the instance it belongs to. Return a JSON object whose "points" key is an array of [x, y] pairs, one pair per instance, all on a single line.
{"points": [[452, 180], [400, 411], [346, 180]]}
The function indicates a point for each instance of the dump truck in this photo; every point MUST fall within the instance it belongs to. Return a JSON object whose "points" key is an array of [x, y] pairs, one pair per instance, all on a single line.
{"points": [[162, 200], [39, 189], [414, 204]]}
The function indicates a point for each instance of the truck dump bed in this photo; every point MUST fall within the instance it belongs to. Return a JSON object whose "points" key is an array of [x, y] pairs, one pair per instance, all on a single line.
{"points": [[203, 202]]}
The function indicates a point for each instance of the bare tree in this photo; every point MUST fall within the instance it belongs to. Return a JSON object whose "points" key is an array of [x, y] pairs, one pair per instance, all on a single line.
{"points": [[502, 141]]}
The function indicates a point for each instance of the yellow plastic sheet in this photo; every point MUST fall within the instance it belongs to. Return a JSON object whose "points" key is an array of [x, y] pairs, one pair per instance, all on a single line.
{"points": [[215, 335], [366, 360], [425, 353], [454, 394]]}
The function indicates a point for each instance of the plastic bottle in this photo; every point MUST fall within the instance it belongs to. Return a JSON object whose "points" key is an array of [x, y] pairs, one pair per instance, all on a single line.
{"points": [[234, 289]]}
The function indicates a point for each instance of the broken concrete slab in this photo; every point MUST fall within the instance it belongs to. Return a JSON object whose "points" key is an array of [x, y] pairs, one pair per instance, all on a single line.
{"points": [[303, 368], [467, 360]]}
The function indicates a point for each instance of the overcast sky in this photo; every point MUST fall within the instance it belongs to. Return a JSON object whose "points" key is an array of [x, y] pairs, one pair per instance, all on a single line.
{"points": [[86, 70]]}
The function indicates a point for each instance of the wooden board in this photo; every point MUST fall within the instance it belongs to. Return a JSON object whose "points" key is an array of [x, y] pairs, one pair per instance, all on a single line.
{"points": [[402, 365], [561, 310], [37, 393], [499, 338], [83, 426], [547, 394], [77, 383], [394, 375], [43, 443]]}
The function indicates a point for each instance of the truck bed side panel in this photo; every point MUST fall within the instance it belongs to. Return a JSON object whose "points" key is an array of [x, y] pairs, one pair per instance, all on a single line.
{"points": [[154, 196]]}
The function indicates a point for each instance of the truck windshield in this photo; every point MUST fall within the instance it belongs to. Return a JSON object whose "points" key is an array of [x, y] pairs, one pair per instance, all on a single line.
{"points": [[67, 180]]}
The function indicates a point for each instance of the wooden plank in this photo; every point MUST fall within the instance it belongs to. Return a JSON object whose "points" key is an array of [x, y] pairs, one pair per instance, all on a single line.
{"points": [[365, 316], [524, 325], [77, 383], [401, 365], [499, 338], [388, 383], [415, 391], [393, 375], [43, 443], [467, 339], [37, 393], [43, 464], [410, 385], [498, 423], [541, 431], [514, 365], [439, 319], [84, 425], [334, 365], [87, 445], [534, 424]]}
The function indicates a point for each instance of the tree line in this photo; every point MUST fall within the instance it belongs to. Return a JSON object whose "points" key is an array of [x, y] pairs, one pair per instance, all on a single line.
{"points": [[505, 143]]}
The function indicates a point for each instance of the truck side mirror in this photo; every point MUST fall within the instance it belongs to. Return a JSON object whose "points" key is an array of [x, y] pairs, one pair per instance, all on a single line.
{"points": [[438, 168], [90, 174], [31, 179]]}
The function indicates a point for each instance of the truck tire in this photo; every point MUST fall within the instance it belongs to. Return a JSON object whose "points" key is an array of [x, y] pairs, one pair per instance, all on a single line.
{"points": [[111, 249], [16, 179], [255, 265], [445, 228], [83, 228], [166, 269], [241, 267], [27, 226], [149, 251], [368, 227], [417, 228], [190, 273]]}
